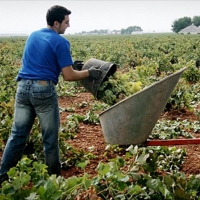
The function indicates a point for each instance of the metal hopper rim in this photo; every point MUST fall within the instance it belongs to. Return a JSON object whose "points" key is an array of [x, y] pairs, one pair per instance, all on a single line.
{"points": [[146, 88]]}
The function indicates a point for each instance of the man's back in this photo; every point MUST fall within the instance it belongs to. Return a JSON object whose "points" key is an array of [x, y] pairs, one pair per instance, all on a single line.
{"points": [[45, 53]]}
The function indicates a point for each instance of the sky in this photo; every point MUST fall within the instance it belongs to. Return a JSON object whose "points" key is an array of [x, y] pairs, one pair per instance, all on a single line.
{"points": [[23, 17]]}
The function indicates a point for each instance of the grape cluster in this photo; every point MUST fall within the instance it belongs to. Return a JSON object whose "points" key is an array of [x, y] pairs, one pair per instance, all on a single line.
{"points": [[117, 87]]}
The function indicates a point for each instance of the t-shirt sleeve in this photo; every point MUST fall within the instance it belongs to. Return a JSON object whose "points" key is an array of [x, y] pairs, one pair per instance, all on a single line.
{"points": [[64, 55]]}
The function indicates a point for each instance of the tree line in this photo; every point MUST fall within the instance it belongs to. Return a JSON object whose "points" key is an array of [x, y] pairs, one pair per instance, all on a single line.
{"points": [[123, 31]]}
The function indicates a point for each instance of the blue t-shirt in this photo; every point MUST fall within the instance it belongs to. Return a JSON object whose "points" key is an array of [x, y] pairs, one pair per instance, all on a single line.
{"points": [[45, 54]]}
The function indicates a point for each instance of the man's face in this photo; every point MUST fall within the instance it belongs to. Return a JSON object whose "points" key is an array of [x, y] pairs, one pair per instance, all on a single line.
{"points": [[63, 26]]}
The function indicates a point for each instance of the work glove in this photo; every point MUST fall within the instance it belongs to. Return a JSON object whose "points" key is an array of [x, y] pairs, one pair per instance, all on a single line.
{"points": [[78, 64], [94, 73]]}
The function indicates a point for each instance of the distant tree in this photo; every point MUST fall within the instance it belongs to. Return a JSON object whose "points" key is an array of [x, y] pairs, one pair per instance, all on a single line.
{"points": [[137, 28], [123, 31], [93, 32], [116, 31], [130, 29], [102, 31], [181, 23], [196, 20]]}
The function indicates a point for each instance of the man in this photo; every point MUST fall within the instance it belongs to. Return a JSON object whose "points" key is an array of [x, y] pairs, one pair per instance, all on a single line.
{"points": [[46, 55]]}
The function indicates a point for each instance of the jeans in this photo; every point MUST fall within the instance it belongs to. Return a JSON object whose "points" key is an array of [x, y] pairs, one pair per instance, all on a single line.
{"points": [[34, 98]]}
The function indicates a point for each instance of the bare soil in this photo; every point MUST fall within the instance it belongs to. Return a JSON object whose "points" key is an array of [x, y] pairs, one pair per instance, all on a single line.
{"points": [[91, 136]]}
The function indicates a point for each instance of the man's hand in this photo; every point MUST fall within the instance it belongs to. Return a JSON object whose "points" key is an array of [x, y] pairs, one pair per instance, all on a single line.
{"points": [[94, 73], [78, 64]]}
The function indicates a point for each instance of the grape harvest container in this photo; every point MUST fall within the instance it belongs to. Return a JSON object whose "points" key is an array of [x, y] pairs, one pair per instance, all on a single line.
{"points": [[107, 69], [132, 120]]}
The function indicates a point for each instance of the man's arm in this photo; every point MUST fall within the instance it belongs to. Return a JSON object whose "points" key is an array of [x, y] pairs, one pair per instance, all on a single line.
{"points": [[69, 74]]}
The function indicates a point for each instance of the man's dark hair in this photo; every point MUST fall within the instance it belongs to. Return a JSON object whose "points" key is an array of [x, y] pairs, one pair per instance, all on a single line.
{"points": [[56, 13]]}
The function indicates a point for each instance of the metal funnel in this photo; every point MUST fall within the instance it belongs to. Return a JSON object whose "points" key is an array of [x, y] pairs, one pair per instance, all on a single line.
{"points": [[132, 120]]}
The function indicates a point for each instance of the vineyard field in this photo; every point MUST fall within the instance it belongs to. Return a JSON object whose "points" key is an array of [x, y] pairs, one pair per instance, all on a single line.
{"points": [[91, 168]]}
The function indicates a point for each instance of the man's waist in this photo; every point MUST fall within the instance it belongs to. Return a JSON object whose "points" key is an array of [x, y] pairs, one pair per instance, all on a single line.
{"points": [[40, 82]]}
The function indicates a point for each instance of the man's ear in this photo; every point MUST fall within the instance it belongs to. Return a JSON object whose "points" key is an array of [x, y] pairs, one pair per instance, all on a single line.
{"points": [[56, 24]]}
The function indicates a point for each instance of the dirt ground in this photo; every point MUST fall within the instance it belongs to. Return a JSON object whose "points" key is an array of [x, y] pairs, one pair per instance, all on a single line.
{"points": [[91, 136]]}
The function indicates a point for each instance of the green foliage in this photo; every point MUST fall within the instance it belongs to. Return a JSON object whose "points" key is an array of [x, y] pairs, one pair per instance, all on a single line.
{"points": [[180, 97], [181, 23], [192, 74], [196, 20], [29, 180], [125, 177], [173, 129]]}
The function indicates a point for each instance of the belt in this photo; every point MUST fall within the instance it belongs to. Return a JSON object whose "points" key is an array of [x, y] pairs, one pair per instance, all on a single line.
{"points": [[41, 82]]}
